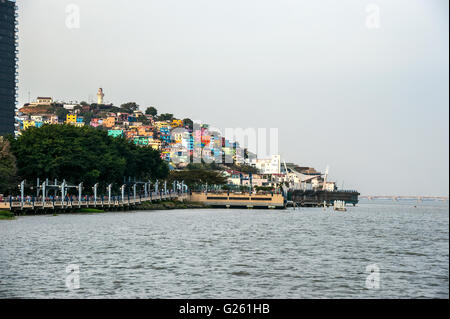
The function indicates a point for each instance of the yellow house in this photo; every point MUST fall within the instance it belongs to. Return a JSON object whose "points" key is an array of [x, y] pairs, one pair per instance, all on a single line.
{"points": [[136, 125], [176, 123], [28, 124], [160, 124], [155, 144], [178, 137], [71, 118], [143, 131]]}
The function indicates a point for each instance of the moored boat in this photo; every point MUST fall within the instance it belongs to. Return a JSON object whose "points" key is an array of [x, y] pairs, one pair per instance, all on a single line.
{"points": [[339, 205]]}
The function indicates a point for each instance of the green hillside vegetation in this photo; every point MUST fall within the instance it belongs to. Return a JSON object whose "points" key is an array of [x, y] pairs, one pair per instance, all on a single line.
{"points": [[83, 155]]}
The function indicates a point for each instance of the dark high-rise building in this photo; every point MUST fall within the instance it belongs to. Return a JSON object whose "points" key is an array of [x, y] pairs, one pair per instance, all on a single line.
{"points": [[8, 61]]}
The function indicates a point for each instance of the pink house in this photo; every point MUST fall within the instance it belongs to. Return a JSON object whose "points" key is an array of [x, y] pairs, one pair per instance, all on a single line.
{"points": [[95, 123]]}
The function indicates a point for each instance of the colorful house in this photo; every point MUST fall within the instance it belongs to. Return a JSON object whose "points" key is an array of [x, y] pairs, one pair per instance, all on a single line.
{"points": [[155, 144], [109, 121], [115, 133], [28, 124], [130, 134], [52, 119], [141, 140], [95, 122], [71, 118], [176, 123]]}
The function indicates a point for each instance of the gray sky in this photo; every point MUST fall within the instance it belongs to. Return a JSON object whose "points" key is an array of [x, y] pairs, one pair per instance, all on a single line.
{"points": [[370, 102]]}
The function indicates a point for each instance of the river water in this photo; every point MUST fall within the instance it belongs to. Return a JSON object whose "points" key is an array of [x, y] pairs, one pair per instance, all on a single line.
{"points": [[303, 253]]}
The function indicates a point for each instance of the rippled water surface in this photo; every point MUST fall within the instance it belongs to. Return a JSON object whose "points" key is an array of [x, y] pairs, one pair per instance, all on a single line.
{"points": [[305, 253]]}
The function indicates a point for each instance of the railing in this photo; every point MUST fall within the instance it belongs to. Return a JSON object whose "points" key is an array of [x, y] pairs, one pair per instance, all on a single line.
{"points": [[114, 201]]}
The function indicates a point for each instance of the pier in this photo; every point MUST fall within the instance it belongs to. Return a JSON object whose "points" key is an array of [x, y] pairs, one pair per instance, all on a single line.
{"points": [[42, 201], [312, 198], [69, 204], [240, 200]]}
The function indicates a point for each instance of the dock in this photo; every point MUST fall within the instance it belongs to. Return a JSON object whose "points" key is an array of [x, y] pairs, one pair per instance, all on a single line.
{"points": [[240, 200], [312, 198]]}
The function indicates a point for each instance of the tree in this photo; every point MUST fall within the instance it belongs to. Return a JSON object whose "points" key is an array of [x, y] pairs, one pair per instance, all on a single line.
{"points": [[151, 111], [8, 177], [143, 120], [205, 166], [130, 107], [244, 168], [61, 113], [83, 155], [197, 177], [188, 122], [165, 117], [87, 116]]}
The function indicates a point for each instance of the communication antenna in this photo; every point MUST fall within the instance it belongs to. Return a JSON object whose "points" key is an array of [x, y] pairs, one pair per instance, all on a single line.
{"points": [[287, 173], [326, 176]]}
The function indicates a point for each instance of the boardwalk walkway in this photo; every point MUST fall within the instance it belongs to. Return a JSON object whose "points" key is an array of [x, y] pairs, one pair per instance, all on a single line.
{"points": [[114, 202]]}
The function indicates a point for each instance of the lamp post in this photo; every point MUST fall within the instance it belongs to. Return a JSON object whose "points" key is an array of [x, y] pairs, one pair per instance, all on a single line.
{"points": [[109, 193], [43, 194], [37, 188], [150, 189], [80, 189], [95, 194], [22, 193], [145, 190], [122, 189], [56, 187], [63, 192]]}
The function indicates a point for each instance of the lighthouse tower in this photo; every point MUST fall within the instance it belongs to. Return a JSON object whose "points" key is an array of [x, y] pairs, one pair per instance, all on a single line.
{"points": [[100, 96]]}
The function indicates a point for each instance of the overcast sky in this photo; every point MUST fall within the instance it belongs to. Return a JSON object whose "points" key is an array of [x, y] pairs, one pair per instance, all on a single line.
{"points": [[368, 99]]}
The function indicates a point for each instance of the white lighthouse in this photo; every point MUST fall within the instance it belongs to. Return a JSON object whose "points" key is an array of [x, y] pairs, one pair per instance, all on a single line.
{"points": [[100, 96]]}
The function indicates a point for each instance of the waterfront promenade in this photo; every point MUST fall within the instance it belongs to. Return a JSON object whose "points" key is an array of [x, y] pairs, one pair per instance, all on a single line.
{"points": [[219, 200], [99, 203]]}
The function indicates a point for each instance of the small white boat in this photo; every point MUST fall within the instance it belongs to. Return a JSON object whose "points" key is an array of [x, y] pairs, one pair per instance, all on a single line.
{"points": [[339, 205]]}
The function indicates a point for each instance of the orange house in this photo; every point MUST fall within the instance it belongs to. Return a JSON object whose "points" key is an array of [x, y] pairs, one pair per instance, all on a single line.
{"points": [[130, 134], [109, 122]]}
